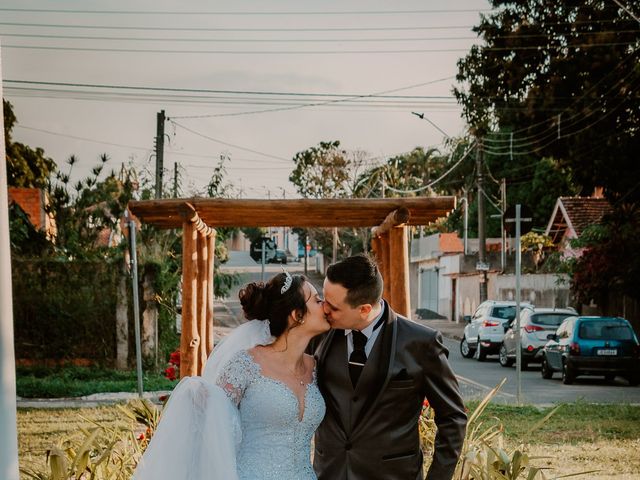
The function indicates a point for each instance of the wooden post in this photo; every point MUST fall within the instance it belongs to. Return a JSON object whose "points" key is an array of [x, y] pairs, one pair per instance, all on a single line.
{"points": [[211, 247], [201, 300], [189, 339], [399, 270], [384, 266]]}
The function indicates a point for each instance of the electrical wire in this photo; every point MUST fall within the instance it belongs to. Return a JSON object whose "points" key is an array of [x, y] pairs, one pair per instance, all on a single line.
{"points": [[309, 52], [430, 184], [226, 143], [240, 13]]}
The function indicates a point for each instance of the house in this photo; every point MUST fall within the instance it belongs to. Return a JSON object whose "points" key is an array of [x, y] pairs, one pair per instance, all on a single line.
{"points": [[33, 202], [571, 215], [445, 282]]}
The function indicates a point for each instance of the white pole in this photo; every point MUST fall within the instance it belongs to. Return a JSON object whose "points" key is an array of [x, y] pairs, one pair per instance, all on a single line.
{"points": [[136, 304], [518, 341], [8, 428]]}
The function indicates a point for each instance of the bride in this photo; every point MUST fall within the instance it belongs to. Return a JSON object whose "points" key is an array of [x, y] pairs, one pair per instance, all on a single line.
{"points": [[253, 412]]}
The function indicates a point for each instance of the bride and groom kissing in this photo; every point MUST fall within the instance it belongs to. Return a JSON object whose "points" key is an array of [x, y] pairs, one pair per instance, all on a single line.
{"points": [[345, 371]]}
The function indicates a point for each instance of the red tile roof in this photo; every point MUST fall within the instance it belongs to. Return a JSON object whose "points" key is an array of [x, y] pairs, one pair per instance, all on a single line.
{"points": [[450, 243], [585, 211]]}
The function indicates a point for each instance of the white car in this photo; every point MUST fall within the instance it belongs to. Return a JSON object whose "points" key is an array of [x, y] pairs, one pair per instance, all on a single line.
{"points": [[484, 334], [535, 325]]}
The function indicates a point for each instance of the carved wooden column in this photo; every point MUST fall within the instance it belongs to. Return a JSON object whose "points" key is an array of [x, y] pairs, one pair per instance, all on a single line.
{"points": [[399, 271], [189, 338], [211, 248], [197, 292], [394, 259], [201, 301]]}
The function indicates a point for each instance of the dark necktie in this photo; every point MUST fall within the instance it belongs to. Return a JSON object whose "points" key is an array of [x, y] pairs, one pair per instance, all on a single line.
{"points": [[358, 357]]}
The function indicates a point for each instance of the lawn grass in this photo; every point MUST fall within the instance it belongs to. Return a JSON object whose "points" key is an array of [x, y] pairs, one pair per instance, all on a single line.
{"points": [[71, 381], [572, 423], [578, 438]]}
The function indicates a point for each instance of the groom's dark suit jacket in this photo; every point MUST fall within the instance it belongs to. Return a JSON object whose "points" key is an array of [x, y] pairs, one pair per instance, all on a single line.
{"points": [[371, 432]]}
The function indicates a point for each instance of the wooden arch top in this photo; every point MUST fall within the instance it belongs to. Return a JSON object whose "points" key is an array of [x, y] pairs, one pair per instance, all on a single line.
{"points": [[357, 212]]}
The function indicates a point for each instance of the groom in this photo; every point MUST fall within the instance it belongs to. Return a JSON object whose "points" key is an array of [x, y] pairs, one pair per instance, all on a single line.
{"points": [[375, 368]]}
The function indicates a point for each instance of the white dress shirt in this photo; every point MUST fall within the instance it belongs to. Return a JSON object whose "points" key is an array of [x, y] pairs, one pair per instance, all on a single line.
{"points": [[369, 332]]}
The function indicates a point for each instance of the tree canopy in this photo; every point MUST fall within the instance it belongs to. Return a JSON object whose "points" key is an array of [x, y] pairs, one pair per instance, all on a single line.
{"points": [[26, 167], [558, 79]]}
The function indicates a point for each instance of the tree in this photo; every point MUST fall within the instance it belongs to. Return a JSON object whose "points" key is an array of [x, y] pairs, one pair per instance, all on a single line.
{"points": [[322, 171], [610, 262], [26, 167], [558, 80]]}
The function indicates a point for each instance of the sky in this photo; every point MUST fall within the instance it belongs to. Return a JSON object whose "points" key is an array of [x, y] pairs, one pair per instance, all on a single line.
{"points": [[253, 81]]}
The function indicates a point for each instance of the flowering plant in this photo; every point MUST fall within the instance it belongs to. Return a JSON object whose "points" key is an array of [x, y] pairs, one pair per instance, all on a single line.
{"points": [[172, 371], [427, 429]]}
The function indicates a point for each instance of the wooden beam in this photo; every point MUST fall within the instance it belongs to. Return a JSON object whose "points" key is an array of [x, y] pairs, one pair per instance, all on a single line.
{"points": [[189, 338], [398, 217], [222, 212], [399, 270]]}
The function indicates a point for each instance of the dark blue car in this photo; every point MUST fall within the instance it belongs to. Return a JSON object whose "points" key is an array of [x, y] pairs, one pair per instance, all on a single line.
{"points": [[604, 346]]}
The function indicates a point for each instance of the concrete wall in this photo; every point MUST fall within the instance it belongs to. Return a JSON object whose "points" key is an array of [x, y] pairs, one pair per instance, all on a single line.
{"points": [[542, 290]]}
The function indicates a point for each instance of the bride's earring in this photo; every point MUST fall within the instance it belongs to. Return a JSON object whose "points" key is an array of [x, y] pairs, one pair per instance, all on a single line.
{"points": [[300, 320]]}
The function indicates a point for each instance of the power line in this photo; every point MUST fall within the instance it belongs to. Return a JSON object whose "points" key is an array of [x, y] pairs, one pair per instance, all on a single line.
{"points": [[226, 143], [297, 40], [313, 52], [241, 13], [234, 40], [237, 92], [350, 98], [227, 29], [429, 185], [75, 137]]}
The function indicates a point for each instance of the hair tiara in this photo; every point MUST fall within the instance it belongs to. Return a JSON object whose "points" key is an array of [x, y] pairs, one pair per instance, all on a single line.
{"points": [[287, 281]]}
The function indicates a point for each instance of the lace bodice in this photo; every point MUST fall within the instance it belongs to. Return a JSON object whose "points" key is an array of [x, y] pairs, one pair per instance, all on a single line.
{"points": [[276, 445]]}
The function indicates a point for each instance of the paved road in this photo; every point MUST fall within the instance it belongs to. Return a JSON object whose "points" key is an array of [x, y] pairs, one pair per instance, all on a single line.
{"points": [[535, 390], [250, 271]]}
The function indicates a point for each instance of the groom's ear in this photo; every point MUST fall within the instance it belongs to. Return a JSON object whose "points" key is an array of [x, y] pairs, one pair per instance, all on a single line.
{"points": [[365, 310]]}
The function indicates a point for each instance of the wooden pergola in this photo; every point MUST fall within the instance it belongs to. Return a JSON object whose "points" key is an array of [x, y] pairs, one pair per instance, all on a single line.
{"points": [[198, 218]]}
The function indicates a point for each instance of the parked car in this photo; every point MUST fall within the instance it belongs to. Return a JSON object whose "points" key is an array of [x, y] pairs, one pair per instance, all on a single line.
{"points": [[535, 325], [279, 257], [604, 346], [485, 331]]}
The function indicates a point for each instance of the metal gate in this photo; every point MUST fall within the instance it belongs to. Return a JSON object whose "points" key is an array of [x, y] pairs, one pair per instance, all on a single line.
{"points": [[429, 290]]}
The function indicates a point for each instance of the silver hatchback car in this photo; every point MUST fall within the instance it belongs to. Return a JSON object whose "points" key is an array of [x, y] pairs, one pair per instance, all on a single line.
{"points": [[485, 331], [535, 325]]}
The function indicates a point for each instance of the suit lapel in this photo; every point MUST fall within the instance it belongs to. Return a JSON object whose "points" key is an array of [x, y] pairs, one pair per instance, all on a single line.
{"points": [[332, 350]]}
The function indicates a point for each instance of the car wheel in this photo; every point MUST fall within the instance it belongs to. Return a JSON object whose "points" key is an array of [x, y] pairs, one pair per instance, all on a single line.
{"points": [[546, 371], [609, 377], [568, 375], [465, 349], [505, 361], [634, 380], [481, 353], [524, 365]]}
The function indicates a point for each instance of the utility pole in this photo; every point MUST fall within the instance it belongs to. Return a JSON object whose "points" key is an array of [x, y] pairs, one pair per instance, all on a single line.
{"points": [[503, 234], [175, 179], [482, 240], [159, 152]]}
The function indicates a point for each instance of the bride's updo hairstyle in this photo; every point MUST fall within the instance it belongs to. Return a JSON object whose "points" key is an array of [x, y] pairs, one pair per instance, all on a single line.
{"points": [[264, 301]]}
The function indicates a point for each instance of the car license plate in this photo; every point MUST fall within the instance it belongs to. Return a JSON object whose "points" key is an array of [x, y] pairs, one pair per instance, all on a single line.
{"points": [[607, 351]]}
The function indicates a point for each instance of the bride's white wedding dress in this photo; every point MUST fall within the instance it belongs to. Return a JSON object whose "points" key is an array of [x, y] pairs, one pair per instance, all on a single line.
{"points": [[234, 422]]}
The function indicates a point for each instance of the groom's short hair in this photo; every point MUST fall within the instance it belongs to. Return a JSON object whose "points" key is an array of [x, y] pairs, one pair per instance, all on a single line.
{"points": [[359, 274]]}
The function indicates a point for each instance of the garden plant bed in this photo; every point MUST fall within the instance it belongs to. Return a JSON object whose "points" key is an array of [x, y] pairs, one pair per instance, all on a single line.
{"points": [[578, 438]]}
